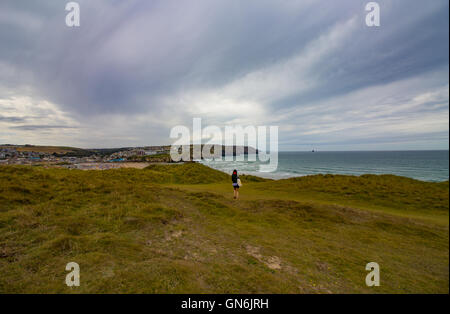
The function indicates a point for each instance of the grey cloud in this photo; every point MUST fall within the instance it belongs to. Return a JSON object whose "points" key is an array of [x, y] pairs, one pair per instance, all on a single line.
{"points": [[11, 119], [135, 57], [125, 56], [40, 127]]}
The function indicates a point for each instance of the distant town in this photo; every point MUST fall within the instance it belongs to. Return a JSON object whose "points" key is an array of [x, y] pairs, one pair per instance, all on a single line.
{"points": [[100, 159], [77, 158]]}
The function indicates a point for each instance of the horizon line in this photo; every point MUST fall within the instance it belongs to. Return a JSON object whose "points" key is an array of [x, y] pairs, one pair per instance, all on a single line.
{"points": [[281, 151]]}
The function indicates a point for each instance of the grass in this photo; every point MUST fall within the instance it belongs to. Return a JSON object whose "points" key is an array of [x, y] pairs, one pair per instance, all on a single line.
{"points": [[42, 149], [176, 229]]}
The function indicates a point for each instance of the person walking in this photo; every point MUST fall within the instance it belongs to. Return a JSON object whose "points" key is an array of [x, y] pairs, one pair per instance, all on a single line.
{"points": [[236, 183]]}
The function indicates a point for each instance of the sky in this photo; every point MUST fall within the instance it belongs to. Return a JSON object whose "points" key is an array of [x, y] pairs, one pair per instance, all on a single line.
{"points": [[135, 69]]}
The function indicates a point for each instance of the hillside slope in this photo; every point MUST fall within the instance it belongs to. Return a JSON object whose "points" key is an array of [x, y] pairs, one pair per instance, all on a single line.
{"points": [[176, 229]]}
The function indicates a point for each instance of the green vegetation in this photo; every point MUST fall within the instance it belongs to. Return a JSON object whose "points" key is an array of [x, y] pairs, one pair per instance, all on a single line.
{"points": [[43, 149], [176, 229]]}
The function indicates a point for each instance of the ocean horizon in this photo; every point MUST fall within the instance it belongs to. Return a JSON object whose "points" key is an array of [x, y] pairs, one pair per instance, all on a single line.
{"points": [[424, 165]]}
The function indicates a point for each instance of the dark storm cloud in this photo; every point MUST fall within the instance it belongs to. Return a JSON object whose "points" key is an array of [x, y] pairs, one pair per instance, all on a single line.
{"points": [[127, 55], [132, 57]]}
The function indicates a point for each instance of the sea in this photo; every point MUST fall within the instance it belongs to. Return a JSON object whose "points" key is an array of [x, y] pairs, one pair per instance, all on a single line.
{"points": [[421, 165]]}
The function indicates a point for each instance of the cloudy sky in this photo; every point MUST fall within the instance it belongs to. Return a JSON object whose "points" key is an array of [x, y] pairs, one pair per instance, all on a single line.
{"points": [[134, 69]]}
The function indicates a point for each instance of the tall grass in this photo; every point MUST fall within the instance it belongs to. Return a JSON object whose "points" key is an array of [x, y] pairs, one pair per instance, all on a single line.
{"points": [[176, 229]]}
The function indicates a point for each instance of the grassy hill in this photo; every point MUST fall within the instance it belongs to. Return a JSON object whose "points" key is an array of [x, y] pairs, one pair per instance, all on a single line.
{"points": [[176, 229], [43, 149]]}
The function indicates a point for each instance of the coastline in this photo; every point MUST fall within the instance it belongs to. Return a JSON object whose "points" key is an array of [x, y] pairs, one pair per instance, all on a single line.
{"points": [[276, 176], [265, 175], [427, 166]]}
